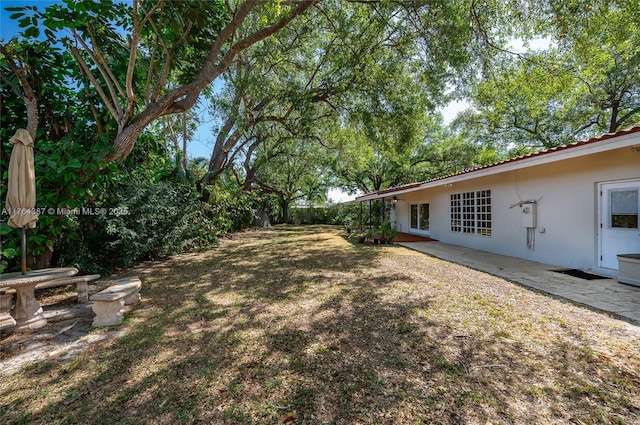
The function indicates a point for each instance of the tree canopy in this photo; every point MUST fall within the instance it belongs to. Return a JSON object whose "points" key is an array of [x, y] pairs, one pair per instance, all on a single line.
{"points": [[584, 84]]}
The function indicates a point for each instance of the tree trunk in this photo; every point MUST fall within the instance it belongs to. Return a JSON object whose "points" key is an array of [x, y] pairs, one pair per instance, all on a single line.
{"points": [[184, 141], [284, 206], [613, 122], [126, 139]]}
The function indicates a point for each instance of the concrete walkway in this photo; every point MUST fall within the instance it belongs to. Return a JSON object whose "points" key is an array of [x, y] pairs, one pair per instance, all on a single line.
{"points": [[605, 295]]}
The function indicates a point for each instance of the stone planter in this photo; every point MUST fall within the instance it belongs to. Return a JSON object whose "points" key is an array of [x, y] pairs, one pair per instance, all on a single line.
{"points": [[629, 269]]}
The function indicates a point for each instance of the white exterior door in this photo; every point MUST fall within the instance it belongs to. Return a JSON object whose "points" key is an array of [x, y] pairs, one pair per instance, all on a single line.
{"points": [[619, 232]]}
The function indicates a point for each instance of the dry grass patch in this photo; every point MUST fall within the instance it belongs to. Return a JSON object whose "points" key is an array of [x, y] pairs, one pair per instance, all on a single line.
{"points": [[298, 325]]}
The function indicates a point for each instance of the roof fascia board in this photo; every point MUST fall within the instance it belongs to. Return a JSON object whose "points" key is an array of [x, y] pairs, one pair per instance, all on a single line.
{"points": [[374, 196]]}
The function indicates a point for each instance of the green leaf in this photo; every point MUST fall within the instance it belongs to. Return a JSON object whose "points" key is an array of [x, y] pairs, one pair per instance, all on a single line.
{"points": [[9, 252], [77, 191], [75, 164], [24, 22], [5, 229], [32, 32]]}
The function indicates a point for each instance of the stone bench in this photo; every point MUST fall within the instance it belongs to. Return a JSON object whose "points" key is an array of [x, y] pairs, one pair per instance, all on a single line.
{"points": [[80, 282], [6, 321], [108, 303], [6, 302]]}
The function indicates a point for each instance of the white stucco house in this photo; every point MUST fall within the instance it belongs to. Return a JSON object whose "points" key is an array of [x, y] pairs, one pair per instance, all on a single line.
{"points": [[573, 206]]}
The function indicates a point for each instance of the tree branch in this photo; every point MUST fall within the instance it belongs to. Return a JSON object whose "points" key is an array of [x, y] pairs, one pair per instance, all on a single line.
{"points": [[27, 94], [164, 75], [135, 37], [115, 102], [105, 99], [182, 98]]}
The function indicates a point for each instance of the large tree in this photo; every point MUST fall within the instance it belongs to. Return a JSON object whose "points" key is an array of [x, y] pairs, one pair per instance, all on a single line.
{"points": [[345, 60], [603, 45], [359, 77], [530, 102], [199, 38], [152, 58], [291, 170], [584, 84], [299, 78]]}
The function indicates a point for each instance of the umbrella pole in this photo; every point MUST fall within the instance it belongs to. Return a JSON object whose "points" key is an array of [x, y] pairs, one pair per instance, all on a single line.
{"points": [[23, 246]]}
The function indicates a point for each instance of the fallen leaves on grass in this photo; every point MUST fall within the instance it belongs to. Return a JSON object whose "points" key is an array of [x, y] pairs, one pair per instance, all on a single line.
{"points": [[297, 325]]}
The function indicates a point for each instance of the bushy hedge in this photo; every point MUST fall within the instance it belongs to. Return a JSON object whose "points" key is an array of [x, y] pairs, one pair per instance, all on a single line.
{"points": [[143, 220], [146, 220], [140, 219], [347, 214]]}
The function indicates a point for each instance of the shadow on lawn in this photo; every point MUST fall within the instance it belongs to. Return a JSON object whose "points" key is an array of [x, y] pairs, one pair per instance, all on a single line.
{"points": [[191, 359], [280, 321]]}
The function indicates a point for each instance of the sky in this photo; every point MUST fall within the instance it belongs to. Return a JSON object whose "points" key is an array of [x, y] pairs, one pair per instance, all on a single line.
{"points": [[8, 27]]}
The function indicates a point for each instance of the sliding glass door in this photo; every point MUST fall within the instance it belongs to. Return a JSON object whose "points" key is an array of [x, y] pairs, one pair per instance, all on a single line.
{"points": [[419, 217]]}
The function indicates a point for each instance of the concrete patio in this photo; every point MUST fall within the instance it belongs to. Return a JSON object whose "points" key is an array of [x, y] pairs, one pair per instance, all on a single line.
{"points": [[605, 295]]}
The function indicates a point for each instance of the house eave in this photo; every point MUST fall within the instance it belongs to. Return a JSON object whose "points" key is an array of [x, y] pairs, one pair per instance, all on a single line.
{"points": [[626, 139]]}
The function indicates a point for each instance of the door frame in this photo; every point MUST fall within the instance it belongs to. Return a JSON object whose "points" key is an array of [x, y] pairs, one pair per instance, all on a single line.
{"points": [[603, 214], [418, 230]]}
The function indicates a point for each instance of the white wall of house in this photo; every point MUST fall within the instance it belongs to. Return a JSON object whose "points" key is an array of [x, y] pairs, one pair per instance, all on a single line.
{"points": [[567, 209]]}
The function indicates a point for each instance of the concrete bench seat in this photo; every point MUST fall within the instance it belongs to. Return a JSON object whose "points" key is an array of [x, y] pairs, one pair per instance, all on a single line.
{"points": [[6, 321], [80, 282], [108, 303]]}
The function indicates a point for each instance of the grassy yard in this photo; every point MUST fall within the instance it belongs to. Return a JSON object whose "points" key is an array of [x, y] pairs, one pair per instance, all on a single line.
{"points": [[298, 325]]}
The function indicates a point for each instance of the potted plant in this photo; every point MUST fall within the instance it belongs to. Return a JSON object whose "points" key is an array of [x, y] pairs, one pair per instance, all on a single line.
{"points": [[387, 232], [368, 235], [348, 224], [360, 237]]}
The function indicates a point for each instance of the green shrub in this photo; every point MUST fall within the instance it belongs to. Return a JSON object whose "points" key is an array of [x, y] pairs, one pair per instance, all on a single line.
{"points": [[314, 215], [143, 220], [230, 211]]}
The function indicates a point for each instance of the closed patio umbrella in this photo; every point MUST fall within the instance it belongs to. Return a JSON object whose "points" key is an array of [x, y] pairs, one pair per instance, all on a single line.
{"points": [[21, 191]]}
